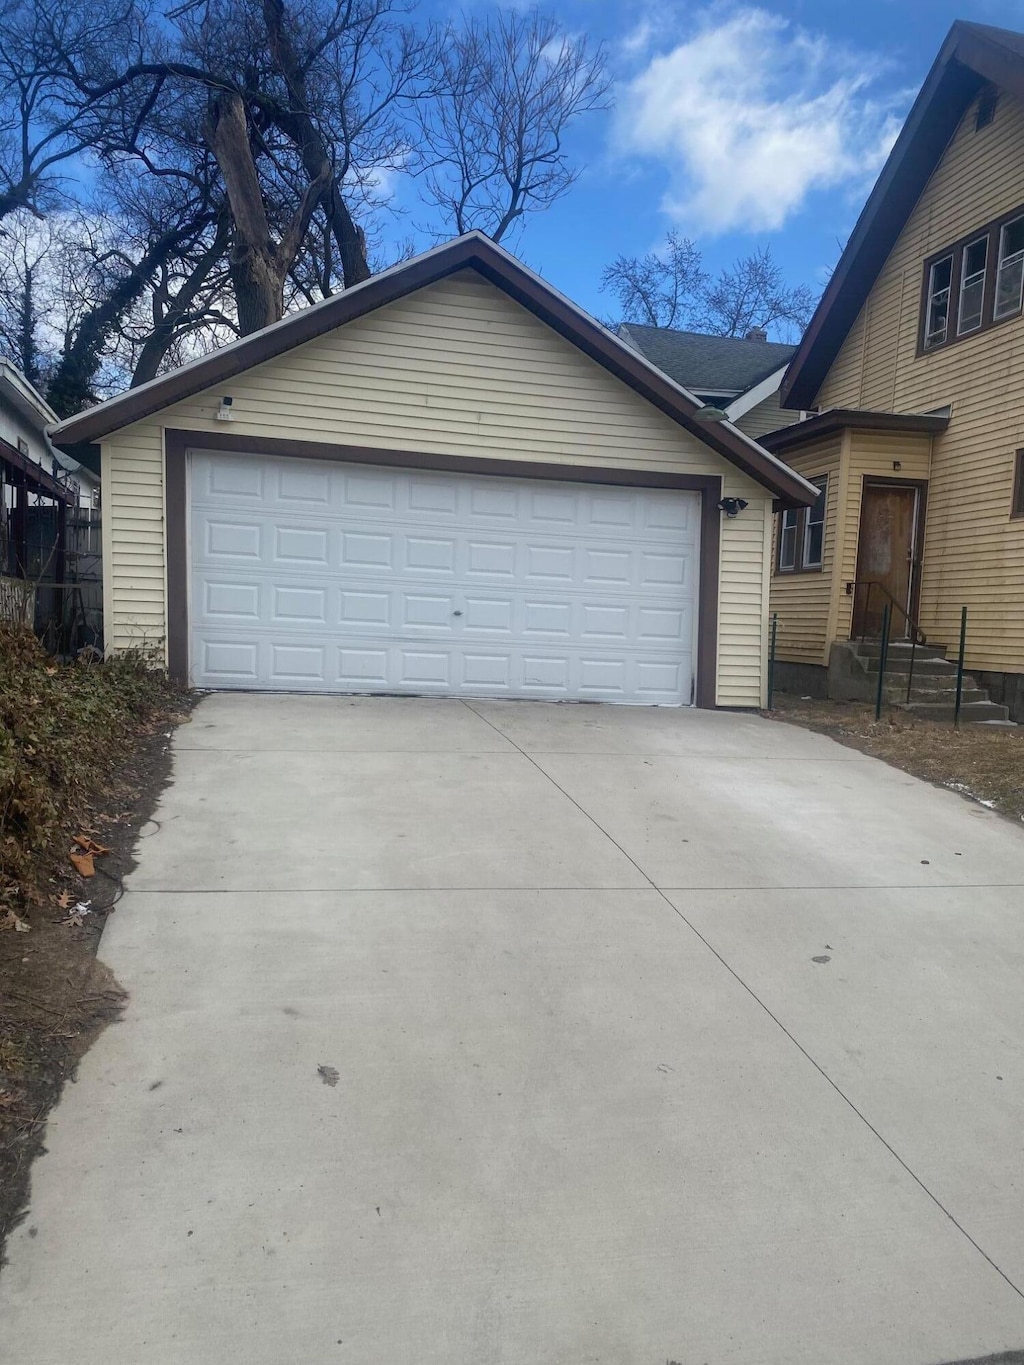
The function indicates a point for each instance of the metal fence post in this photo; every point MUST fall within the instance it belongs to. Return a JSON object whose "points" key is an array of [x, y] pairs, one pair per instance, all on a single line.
{"points": [[771, 658], [960, 667], [883, 659]]}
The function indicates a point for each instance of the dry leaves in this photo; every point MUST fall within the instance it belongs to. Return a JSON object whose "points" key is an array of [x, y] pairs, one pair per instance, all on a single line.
{"points": [[15, 922], [64, 901], [83, 862]]}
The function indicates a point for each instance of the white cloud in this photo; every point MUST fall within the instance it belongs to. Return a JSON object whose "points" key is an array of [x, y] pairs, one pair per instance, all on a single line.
{"points": [[749, 115]]}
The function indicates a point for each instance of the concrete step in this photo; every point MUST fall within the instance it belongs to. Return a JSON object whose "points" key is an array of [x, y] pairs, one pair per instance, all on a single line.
{"points": [[897, 648], [973, 713], [895, 695], [900, 663]]}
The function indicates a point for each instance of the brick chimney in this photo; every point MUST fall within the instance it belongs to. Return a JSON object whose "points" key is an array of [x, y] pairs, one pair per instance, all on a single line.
{"points": [[756, 334]]}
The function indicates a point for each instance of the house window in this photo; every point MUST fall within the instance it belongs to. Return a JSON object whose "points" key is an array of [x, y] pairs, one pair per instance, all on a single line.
{"points": [[788, 538], [939, 279], [973, 284], [986, 109], [1010, 271], [1017, 505], [814, 529], [802, 534]]}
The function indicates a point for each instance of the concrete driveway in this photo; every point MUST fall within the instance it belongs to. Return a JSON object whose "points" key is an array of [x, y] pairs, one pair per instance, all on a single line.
{"points": [[518, 1034]]}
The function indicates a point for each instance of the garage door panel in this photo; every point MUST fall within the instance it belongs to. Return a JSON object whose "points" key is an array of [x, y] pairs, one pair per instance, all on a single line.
{"points": [[353, 579]]}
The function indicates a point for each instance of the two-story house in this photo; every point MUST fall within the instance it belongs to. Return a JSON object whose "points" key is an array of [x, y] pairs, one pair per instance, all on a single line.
{"points": [[914, 361]]}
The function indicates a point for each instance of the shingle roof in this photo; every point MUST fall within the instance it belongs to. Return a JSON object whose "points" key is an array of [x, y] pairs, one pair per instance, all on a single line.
{"points": [[700, 362]]}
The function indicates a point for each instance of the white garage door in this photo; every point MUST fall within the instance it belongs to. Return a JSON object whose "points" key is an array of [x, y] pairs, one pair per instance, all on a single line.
{"points": [[329, 577]]}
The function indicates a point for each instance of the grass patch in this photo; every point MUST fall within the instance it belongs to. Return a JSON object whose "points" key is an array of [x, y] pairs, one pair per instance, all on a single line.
{"points": [[986, 764]]}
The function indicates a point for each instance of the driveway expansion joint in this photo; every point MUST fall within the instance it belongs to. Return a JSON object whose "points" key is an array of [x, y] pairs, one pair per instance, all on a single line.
{"points": [[772, 1016]]}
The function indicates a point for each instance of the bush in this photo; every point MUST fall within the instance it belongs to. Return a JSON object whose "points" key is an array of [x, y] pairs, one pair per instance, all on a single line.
{"points": [[64, 728]]}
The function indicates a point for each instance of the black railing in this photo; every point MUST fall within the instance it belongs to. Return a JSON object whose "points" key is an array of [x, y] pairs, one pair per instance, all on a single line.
{"points": [[871, 586]]}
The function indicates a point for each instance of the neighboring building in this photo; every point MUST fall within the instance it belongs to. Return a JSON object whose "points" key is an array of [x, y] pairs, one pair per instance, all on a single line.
{"points": [[915, 359], [446, 480], [24, 418], [741, 375], [49, 542]]}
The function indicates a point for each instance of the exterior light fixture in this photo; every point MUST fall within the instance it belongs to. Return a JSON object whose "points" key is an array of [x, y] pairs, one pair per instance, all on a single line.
{"points": [[732, 507], [224, 411]]}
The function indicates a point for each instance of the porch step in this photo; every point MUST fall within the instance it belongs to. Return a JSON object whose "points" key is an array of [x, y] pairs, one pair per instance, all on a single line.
{"points": [[853, 676], [900, 663], [870, 649], [897, 695], [973, 713]]}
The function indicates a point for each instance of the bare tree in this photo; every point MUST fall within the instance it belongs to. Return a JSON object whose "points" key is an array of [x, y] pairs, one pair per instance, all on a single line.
{"points": [[493, 138], [660, 289], [672, 289], [752, 295]]}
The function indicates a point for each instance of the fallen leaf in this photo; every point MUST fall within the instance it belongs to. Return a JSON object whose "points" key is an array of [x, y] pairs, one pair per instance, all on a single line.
{"points": [[90, 845], [65, 900], [83, 863], [76, 918], [50, 672], [15, 922]]}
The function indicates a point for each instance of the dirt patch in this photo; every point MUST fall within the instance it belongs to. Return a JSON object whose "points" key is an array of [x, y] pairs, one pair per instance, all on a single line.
{"points": [[980, 762], [55, 996]]}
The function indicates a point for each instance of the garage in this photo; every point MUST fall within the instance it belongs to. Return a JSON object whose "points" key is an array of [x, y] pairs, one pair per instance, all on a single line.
{"points": [[446, 480], [310, 575]]}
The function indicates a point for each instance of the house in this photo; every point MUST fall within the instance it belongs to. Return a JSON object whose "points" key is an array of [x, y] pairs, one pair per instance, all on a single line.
{"points": [[49, 532], [24, 418], [913, 364], [446, 480], [741, 375]]}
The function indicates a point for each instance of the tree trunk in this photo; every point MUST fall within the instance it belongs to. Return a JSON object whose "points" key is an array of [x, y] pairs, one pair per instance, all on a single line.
{"points": [[253, 260], [70, 389], [296, 123]]}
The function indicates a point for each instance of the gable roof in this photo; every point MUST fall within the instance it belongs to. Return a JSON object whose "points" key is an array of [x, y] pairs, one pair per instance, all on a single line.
{"points": [[471, 251], [703, 363], [972, 56]]}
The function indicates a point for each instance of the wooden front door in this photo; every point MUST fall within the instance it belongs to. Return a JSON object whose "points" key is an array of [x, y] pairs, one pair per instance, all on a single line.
{"points": [[886, 555]]}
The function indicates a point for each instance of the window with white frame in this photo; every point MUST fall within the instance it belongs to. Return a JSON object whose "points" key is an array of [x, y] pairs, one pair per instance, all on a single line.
{"points": [[802, 534], [973, 272], [1010, 270], [937, 324]]}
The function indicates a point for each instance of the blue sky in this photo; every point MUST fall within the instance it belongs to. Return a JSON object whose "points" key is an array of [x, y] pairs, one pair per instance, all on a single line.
{"points": [[738, 125]]}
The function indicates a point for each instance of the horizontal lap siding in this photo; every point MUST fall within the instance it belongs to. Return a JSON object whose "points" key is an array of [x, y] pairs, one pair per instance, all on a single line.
{"points": [[767, 416], [973, 552], [871, 455], [457, 368], [804, 601]]}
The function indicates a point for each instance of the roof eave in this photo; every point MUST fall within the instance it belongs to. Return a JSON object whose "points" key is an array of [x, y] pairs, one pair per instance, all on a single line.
{"points": [[473, 251], [858, 419], [965, 62]]}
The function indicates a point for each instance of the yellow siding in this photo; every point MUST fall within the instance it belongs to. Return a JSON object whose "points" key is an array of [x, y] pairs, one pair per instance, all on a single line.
{"points": [[974, 554], [767, 416], [457, 368], [805, 601], [871, 454]]}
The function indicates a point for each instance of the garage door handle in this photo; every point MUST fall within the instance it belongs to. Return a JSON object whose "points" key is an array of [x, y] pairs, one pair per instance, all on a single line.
{"points": [[456, 613]]}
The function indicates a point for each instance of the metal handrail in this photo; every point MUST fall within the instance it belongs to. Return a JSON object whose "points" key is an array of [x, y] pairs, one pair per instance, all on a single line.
{"points": [[914, 631]]}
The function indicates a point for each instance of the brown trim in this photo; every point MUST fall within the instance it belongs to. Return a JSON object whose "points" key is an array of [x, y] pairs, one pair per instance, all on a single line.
{"points": [[176, 531], [799, 568], [473, 251], [917, 550], [859, 419], [990, 230], [971, 56], [43, 482], [1017, 499], [178, 443]]}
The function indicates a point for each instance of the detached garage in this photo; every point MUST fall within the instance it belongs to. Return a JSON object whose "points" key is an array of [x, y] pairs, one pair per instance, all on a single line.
{"points": [[445, 481]]}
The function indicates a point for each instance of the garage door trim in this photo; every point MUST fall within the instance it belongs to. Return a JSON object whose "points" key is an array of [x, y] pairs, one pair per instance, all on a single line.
{"points": [[177, 444]]}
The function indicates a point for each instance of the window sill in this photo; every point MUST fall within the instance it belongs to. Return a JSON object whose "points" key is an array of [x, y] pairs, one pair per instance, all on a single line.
{"points": [[797, 573], [981, 331]]}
